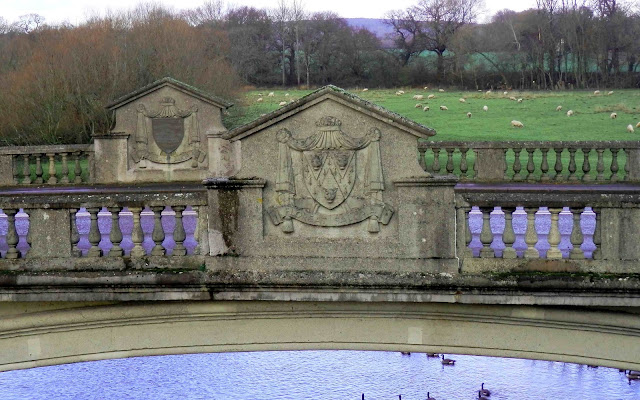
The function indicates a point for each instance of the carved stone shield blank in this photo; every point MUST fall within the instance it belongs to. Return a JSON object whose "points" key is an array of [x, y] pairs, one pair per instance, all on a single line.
{"points": [[168, 133]]}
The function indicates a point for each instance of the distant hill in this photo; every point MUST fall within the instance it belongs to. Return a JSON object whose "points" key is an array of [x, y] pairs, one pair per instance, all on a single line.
{"points": [[375, 25]]}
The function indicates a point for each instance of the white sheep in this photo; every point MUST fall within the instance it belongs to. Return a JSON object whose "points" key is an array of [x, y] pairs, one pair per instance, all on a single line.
{"points": [[431, 96], [418, 97], [461, 100], [613, 115], [440, 90], [286, 95], [630, 128], [469, 115], [596, 92], [569, 113], [365, 90], [426, 108], [259, 99], [271, 94], [485, 108], [517, 124], [519, 100], [418, 105], [638, 125], [443, 108], [401, 91], [505, 93], [610, 93], [282, 103], [559, 108], [426, 87], [513, 98], [398, 94], [488, 91]]}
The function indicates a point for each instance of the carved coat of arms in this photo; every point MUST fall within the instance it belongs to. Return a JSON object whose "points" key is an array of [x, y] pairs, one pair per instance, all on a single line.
{"points": [[160, 133], [330, 179]]}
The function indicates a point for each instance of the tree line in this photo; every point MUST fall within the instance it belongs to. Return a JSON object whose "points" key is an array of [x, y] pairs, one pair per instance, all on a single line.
{"points": [[56, 79]]}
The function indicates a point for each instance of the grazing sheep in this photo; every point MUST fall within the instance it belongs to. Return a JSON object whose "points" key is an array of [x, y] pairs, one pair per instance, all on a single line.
{"points": [[426, 108], [286, 95], [559, 108], [431, 96], [271, 94], [488, 92], [613, 116], [485, 108], [426, 87], [259, 99], [440, 90], [282, 103], [513, 98], [638, 125], [505, 93], [569, 113], [630, 128], [519, 100], [418, 97], [610, 93], [468, 115], [418, 105], [365, 90], [517, 124], [398, 94], [596, 92], [461, 100], [401, 91], [443, 108]]}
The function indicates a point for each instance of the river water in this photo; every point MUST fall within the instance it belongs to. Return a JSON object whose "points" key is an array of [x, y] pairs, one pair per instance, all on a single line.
{"points": [[325, 375]]}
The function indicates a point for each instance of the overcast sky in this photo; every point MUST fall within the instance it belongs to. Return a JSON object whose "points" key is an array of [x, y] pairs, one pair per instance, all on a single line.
{"points": [[75, 11]]}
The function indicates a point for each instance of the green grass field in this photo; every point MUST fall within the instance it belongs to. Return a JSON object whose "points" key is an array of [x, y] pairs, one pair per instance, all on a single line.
{"points": [[591, 119]]}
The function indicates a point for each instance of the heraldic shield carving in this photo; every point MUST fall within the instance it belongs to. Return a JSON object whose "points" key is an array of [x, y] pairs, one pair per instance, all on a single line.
{"points": [[160, 134], [330, 179]]}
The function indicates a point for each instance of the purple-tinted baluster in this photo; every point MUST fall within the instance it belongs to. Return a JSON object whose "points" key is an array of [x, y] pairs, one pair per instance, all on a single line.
{"points": [[519, 221], [497, 224], [565, 226], [147, 222], [168, 226], [22, 229], [126, 227], [190, 222], [104, 227], [4, 229], [588, 226], [543, 227], [83, 223], [475, 227]]}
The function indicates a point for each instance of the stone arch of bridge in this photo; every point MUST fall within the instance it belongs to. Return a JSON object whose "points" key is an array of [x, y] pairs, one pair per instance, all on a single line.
{"points": [[39, 334]]}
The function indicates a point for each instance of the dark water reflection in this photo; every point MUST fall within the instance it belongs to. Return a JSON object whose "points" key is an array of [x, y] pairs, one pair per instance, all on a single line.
{"points": [[315, 375]]}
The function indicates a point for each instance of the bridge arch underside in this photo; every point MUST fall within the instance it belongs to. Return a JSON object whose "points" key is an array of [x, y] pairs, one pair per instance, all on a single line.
{"points": [[39, 334]]}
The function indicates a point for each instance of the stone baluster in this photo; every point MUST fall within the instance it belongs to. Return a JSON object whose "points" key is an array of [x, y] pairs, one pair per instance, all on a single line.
{"points": [[486, 236], [83, 225], [519, 222], [125, 222], [4, 230], [421, 159], [75, 236], [77, 171], [26, 170], [588, 226], [614, 165], [22, 230], [558, 165], [565, 226], [94, 233], [464, 167], [137, 235], [627, 157], [509, 237], [597, 237], [530, 165], [179, 235], [52, 169], [554, 252], [105, 225], [544, 165], [600, 165], [517, 166], [158, 233], [497, 223], [586, 165], [436, 160], [543, 227], [90, 165], [576, 236], [12, 236], [168, 226], [39, 171], [115, 234], [531, 237], [15, 170], [572, 164], [147, 223], [65, 168], [190, 223], [449, 165], [475, 230]]}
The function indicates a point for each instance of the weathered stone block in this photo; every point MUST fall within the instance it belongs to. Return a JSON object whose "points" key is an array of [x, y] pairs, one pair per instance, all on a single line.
{"points": [[50, 232]]}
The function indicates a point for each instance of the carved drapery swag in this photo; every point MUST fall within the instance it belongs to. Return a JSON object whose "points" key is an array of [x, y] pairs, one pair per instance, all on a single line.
{"points": [[330, 179], [167, 128]]}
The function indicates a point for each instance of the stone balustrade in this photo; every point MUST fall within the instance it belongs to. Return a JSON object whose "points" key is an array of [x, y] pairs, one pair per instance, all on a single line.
{"points": [[533, 161], [46, 165]]}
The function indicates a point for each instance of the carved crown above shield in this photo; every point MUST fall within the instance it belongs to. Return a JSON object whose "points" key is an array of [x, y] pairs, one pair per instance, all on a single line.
{"points": [[330, 178]]}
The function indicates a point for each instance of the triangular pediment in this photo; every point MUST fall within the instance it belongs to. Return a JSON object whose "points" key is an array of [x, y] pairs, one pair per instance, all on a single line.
{"points": [[333, 94]]}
